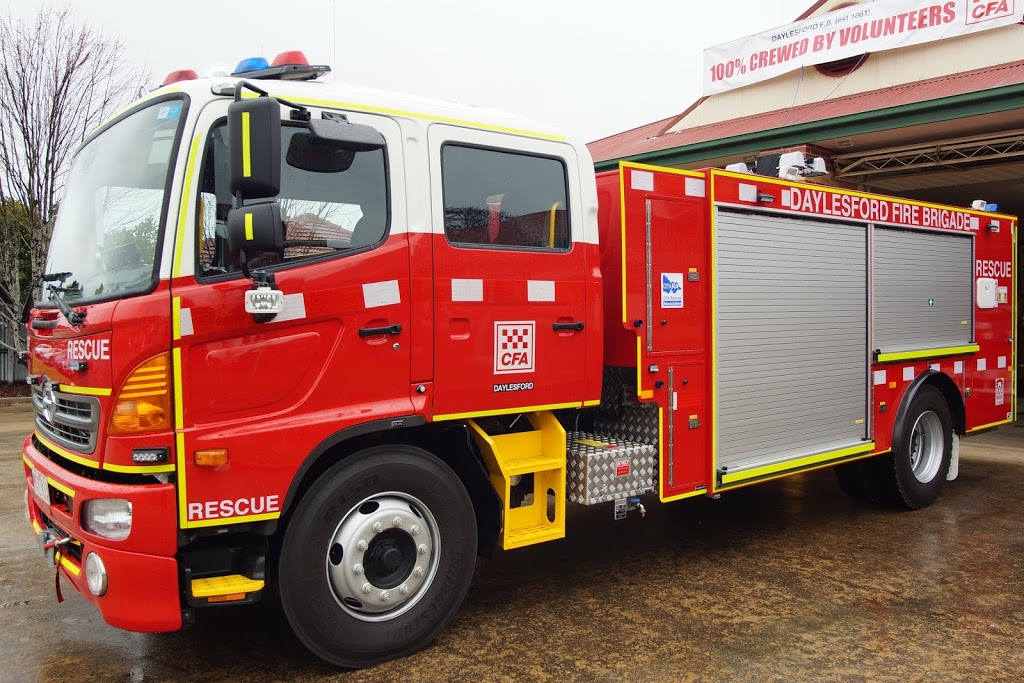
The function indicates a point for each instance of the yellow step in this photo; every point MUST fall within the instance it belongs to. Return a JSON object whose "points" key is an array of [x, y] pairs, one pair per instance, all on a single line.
{"points": [[541, 452], [522, 454], [537, 533], [232, 584]]}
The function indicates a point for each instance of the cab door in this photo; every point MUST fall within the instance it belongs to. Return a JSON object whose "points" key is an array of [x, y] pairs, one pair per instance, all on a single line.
{"points": [[271, 392], [510, 315]]}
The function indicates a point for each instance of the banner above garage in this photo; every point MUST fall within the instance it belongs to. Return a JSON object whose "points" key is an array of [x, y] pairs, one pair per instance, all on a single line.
{"points": [[848, 32]]}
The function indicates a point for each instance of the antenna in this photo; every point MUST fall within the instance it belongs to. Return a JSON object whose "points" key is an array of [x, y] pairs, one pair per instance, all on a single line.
{"points": [[334, 33]]}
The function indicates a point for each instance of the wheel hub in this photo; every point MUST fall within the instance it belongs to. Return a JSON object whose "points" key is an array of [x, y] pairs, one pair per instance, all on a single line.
{"points": [[927, 444], [383, 556]]}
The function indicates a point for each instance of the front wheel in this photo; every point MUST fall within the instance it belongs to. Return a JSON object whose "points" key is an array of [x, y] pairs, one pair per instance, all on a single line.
{"points": [[378, 556]]}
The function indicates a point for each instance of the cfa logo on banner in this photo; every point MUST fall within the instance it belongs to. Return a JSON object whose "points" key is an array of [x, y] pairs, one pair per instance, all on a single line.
{"points": [[979, 11], [513, 346]]}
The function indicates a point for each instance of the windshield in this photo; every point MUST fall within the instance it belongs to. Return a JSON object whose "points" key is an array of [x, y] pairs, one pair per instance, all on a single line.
{"points": [[107, 233]]}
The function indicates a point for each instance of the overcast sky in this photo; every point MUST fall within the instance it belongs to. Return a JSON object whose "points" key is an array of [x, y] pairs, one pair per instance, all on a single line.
{"points": [[591, 68]]}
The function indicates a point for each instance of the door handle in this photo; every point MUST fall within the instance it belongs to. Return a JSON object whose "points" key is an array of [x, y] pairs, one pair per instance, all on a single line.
{"points": [[374, 331], [574, 327]]}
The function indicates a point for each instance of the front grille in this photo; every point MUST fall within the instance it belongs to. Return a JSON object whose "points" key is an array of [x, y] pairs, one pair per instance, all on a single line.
{"points": [[74, 422]]}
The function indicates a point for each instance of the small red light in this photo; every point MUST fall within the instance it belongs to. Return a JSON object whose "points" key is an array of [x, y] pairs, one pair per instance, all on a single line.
{"points": [[290, 58], [180, 75]]}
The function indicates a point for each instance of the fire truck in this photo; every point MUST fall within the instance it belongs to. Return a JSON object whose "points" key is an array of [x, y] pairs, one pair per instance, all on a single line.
{"points": [[324, 345]]}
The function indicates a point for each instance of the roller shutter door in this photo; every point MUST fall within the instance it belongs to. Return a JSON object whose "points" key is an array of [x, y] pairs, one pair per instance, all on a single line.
{"points": [[922, 290], [792, 347]]}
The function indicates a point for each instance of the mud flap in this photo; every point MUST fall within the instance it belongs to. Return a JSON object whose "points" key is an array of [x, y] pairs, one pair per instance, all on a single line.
{"points": [[954, 460]]}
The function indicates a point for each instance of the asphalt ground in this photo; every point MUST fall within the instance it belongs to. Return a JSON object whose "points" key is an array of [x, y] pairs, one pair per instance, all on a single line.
{"points": [[787, 581]]}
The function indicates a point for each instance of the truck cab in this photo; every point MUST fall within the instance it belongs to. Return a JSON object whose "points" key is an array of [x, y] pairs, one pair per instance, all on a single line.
{"points": [[446, 271]]}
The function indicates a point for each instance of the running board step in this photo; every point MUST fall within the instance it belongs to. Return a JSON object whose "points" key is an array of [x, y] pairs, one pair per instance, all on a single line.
{"points": [[540, 452], [231, 588]]}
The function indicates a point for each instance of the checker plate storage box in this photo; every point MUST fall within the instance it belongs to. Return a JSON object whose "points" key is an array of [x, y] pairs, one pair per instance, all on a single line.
{"points": [[604, 468]]}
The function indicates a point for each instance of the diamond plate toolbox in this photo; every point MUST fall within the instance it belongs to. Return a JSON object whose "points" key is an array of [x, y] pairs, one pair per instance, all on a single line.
{"points": [[603, 468]]}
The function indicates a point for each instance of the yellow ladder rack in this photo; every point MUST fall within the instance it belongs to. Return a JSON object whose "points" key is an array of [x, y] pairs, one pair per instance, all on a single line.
{"points": [[540, 452]]}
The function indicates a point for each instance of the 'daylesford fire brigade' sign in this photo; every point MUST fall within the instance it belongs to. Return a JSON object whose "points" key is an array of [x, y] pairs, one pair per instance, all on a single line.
{"points": [[848, 32]]}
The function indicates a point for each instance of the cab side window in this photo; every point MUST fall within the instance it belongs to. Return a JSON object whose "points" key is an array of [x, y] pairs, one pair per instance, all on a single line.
{"points": [[344, 203], [504, 199]]}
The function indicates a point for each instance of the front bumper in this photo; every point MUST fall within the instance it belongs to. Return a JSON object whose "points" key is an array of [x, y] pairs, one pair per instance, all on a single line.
{"points": [[143, 593]]}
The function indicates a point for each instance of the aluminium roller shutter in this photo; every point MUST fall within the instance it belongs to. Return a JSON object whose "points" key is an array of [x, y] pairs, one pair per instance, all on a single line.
{"points": [[792, 348], [922, 290]]}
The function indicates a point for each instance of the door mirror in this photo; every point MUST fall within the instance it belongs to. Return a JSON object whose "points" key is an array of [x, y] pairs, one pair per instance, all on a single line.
{"points": [[256, 228], [254, 131]]}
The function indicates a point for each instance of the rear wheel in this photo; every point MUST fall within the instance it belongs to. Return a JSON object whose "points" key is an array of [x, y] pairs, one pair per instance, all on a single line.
{"points": [[912, 476], [378, 556]]}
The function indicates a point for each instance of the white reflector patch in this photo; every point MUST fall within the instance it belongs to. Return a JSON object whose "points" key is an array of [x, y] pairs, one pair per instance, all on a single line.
{"points": [[641, 180], [540, 290], [695, 187], [186, 322], [376, 294], [467, 290]]}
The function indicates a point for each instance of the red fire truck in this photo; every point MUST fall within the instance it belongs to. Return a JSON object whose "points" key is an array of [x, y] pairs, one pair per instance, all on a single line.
{"points": [[324, 345]]}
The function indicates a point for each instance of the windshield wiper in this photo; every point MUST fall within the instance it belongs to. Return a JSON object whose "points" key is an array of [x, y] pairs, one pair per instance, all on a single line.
{"points": [[26, 309], [73, 317]]}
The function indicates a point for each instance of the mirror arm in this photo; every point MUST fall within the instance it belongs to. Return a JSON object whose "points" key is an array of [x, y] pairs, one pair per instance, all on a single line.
{"points": [[299, 112]]}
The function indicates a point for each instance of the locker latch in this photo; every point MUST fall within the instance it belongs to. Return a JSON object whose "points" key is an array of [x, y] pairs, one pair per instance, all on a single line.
{"points": [[694, 422], [693, 276]]}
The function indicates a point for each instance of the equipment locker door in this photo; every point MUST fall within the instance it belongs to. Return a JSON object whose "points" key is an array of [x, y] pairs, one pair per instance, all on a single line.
{"points": [[792, 347], [510, 319], [338, 354], [676, 277]]}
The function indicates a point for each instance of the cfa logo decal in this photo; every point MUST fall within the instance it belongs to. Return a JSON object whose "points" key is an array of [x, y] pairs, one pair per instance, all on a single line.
{"points": [[513, 347]]}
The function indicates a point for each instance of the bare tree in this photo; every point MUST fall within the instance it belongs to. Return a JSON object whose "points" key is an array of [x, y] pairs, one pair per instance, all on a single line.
{"points": [[59, 80]]}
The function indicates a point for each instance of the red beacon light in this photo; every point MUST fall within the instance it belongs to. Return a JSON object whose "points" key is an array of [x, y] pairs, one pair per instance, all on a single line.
{"points": [[287, 66], [180, 75], [290, 58]]}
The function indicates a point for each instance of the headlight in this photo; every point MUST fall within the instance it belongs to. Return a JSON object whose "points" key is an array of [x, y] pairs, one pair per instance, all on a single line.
{"points": [[108, 517], [95, 574]]}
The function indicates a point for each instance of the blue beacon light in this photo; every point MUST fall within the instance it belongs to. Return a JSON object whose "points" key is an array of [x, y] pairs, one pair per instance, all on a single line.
{"points": [[252, 64]]}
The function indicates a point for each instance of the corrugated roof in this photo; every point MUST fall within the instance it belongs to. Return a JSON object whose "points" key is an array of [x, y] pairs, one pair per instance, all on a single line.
{"points": [[649, 138]]}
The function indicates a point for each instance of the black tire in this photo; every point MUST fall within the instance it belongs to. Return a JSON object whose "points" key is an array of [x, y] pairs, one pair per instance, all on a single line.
{"points": [[893, 475], [340, 633], [855, 481]]}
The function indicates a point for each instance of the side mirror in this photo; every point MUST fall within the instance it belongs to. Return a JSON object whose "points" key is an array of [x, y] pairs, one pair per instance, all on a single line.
{"points": [[254, 131], [256, 228]]}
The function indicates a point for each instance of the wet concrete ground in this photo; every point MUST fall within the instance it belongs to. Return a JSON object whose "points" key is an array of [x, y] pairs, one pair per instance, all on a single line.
{"points": [[788, 581]]}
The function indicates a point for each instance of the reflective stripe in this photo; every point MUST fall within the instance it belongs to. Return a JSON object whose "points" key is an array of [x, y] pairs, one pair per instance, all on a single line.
{"points": [[176, 317], [798, 463], [183, 211], [246, 160], [85, 391], [248, 227], [66, 454], [221, 521], [60, 487], [928, 353], [413, 115], [506, 411], [989, 426]]}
